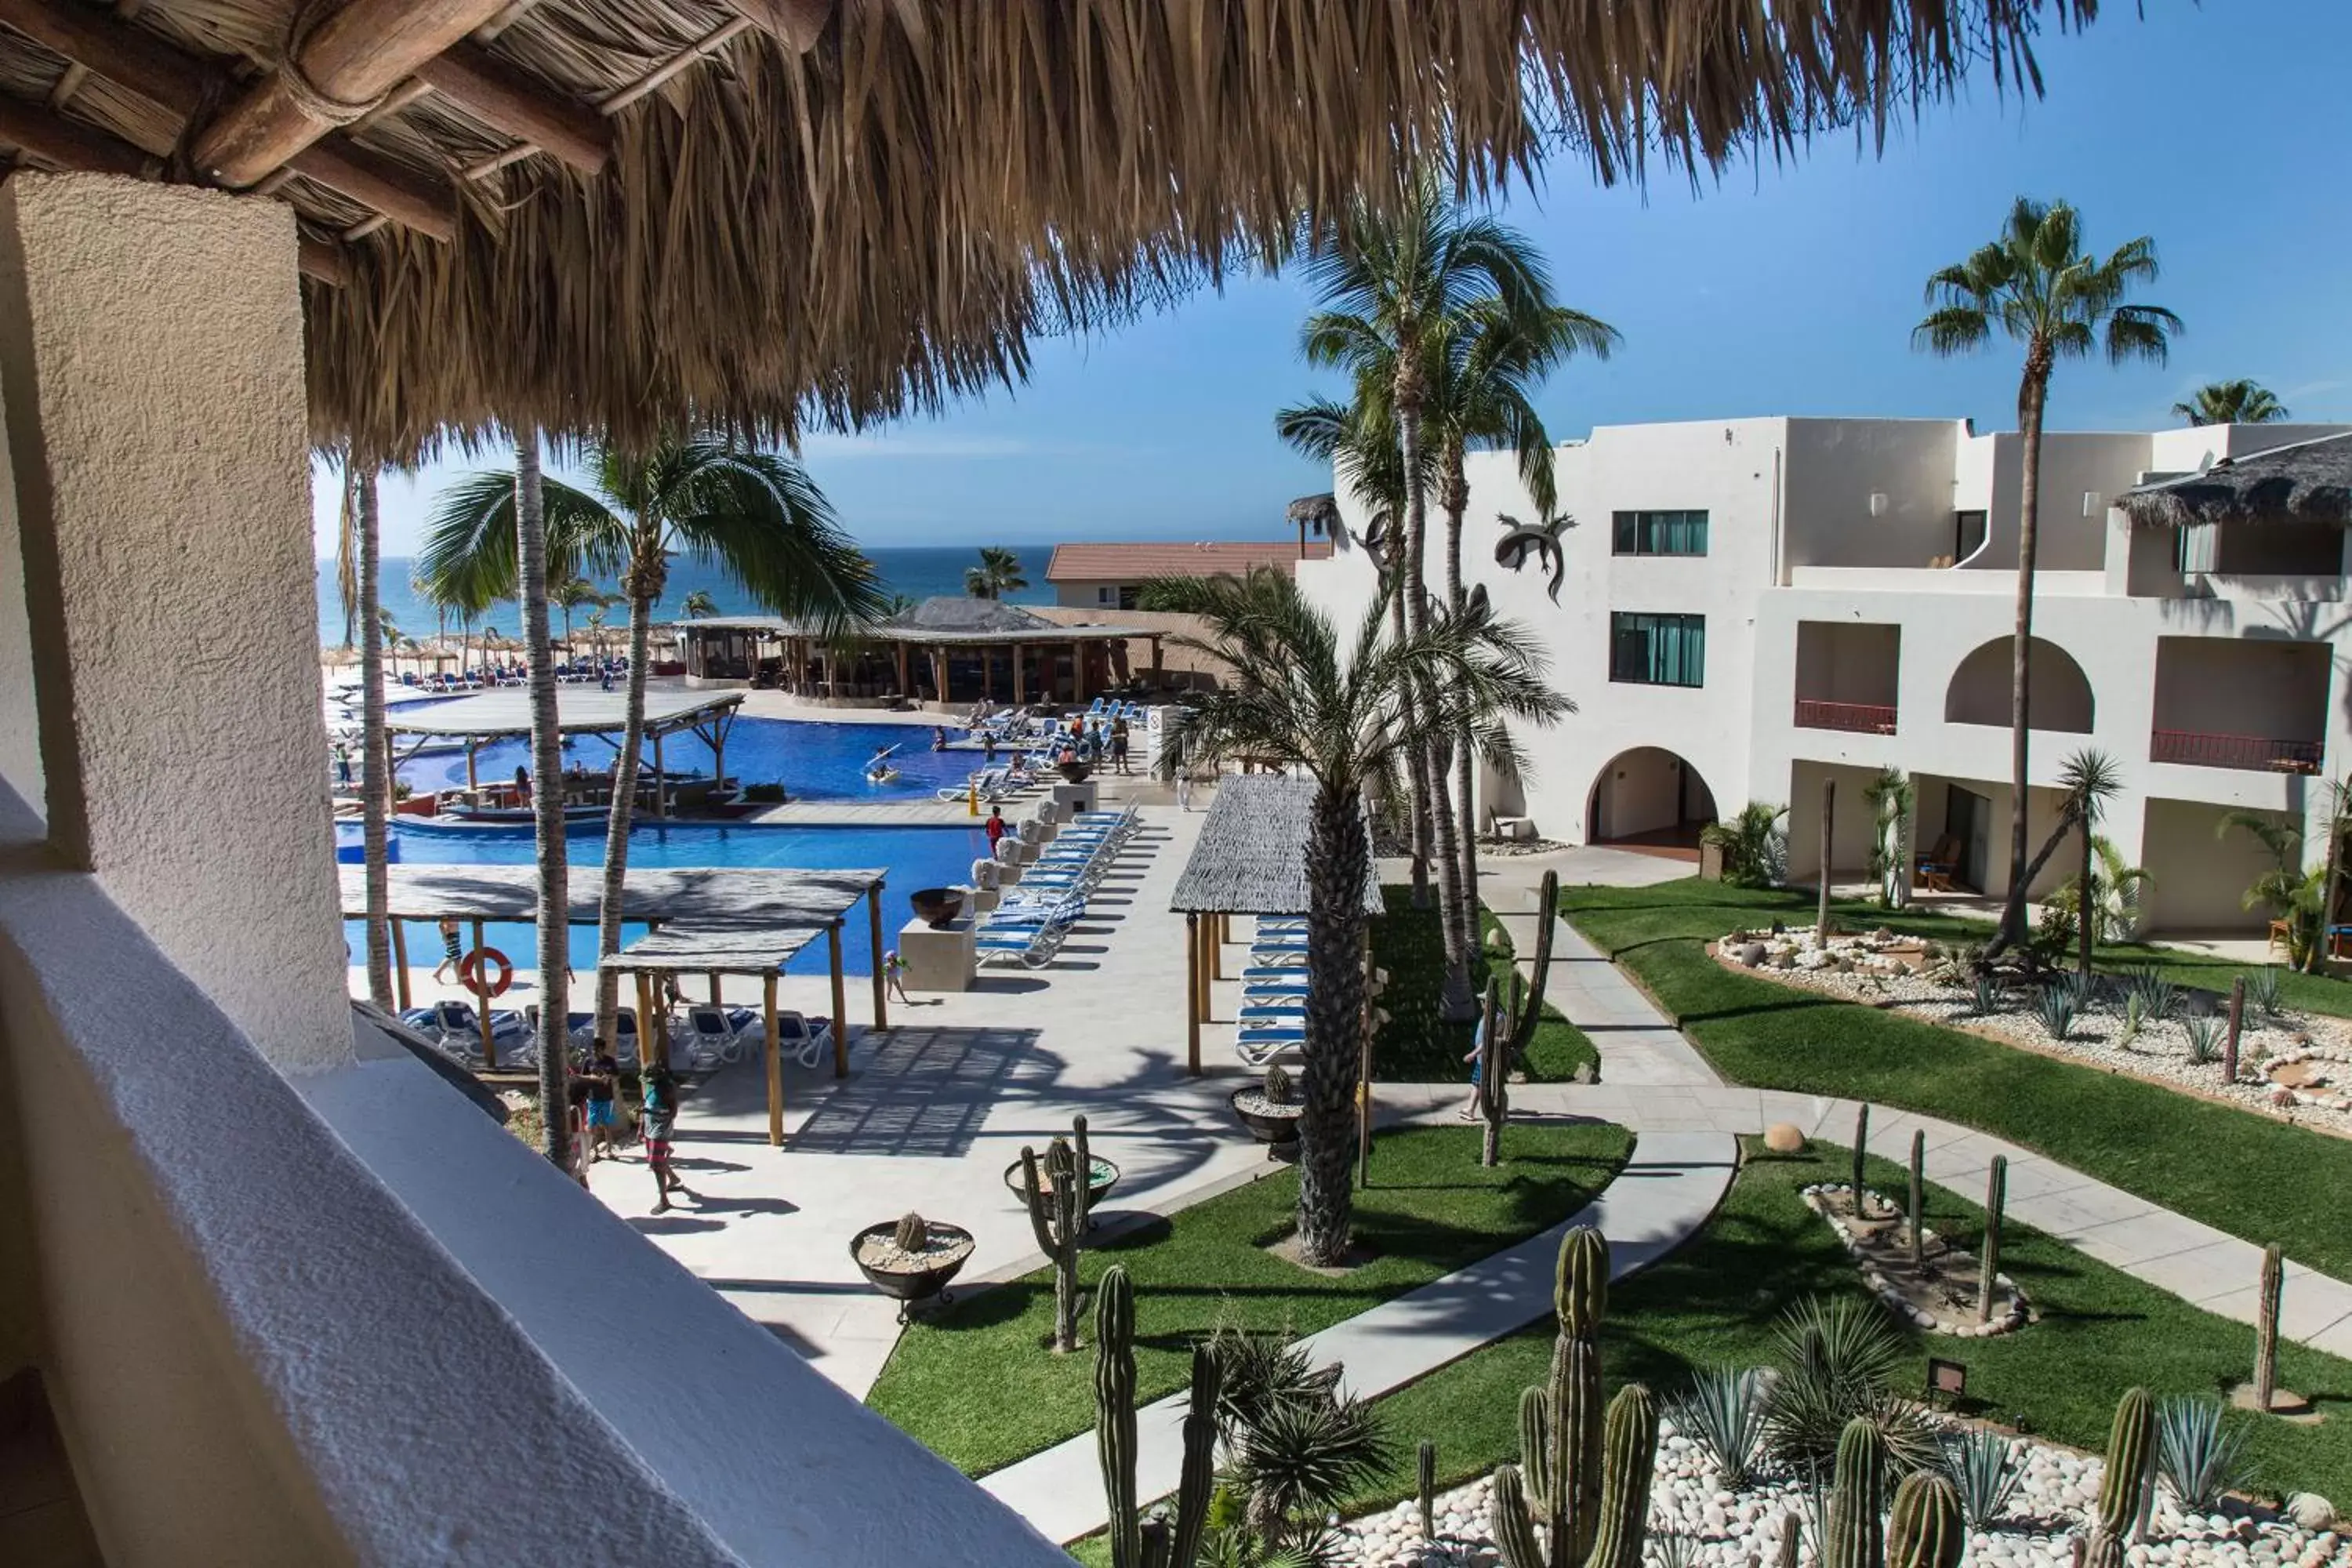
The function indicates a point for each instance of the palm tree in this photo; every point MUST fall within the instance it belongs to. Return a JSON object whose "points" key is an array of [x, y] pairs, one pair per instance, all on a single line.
{"points": [[1890, 796], [698, 604], [1391, 281], [998, 574], [2036, 286], [576, 592], [1350, 710], [2091, 780], [2232, 403], [2117, 889], [366, 533], [757, 515], [554, 918]]}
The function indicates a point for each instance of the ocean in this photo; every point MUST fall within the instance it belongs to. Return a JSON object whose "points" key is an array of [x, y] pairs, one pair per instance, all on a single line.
{"points": [[918, 573]]}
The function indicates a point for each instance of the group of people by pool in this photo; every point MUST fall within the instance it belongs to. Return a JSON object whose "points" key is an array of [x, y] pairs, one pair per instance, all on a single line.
{"points": [[1098, 739]]}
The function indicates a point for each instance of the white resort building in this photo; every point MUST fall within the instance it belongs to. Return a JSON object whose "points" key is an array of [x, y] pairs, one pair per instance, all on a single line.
{"points": [[1747, 608]]}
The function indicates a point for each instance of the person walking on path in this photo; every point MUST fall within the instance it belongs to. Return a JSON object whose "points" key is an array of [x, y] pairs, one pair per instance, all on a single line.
{"points": [[1119, 745], [894, 977], [452, 951], [603, 1072], [1184, 792], [1478, 1060], [660, 1127]]}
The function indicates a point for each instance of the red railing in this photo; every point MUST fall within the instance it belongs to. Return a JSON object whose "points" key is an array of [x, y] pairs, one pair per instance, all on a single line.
{"points": [[1862, 718], [2260, 753]]}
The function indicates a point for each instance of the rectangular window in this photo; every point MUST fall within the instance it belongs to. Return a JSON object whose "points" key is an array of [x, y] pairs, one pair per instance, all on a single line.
{"points": [[1657, 650], [1661, 534], [1105, 596]]}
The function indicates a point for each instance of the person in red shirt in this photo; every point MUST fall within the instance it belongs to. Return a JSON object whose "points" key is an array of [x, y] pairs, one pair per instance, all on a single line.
{"points": [[997, 826]]}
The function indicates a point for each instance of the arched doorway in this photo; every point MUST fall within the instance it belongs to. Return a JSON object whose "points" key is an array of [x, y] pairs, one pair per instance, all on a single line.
{"points": [[1648, 798], [2058, 694]]}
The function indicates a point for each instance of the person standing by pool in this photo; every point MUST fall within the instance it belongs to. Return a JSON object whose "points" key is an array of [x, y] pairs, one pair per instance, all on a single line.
{"points": [[522, 785], [451, 952], [988, 748], [938, 737], [660, 1126], [1119, 745], [996, 827], [604, 1071], [894, 977], [1184, 792], [342, 763]]}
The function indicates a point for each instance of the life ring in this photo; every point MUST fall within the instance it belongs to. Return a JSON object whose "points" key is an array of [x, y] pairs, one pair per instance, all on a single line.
{"points": [[469, 968]]}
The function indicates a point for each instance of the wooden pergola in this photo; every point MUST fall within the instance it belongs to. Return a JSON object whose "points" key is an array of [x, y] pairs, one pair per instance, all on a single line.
{"points": [[505, 714], [696, 898]]}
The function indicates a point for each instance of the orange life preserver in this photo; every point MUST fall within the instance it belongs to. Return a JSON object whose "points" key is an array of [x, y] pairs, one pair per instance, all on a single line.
{"points": [[469, 967]]}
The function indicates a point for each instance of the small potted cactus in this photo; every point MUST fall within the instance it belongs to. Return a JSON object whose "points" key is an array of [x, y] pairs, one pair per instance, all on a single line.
{"points": [[911, 1259], [1269, 1108]]}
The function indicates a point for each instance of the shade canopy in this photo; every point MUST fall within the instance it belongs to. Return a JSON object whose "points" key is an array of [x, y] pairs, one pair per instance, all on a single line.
{"points": [[615, 214], [2308, 482], [710, 895], [944, 620], [580, 710], [1251, 857], [705, 947]]}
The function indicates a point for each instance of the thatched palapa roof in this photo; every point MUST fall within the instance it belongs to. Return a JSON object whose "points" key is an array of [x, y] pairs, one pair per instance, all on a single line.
{"points": [[1251, 857], [2309, 482], [608, 216]]}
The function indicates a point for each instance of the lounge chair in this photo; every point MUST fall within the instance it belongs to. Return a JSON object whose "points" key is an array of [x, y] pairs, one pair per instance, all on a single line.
{"points": [[1274, 1011], [1262, 987], [711, 1039], [1258, 1046], [1278, 966], [804, 1039]]}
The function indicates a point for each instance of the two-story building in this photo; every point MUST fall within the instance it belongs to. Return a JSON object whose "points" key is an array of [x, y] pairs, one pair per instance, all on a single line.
{"points": [[1752, 607]]}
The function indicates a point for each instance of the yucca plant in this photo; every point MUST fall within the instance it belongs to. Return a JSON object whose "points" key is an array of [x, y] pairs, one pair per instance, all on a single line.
{"points": [[2054, 1006], [2204, 1033], [1725, 1411], [1984, 1472], [2197, 1453], [1840, 1357]]}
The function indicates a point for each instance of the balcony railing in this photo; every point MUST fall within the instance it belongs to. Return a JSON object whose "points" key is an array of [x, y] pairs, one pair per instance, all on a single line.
{"points": [[2257, 753], [1861, 718]]}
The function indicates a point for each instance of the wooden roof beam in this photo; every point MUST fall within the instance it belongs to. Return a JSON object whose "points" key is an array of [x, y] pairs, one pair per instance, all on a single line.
{"points": [[470, 77], [344, 166], [350, 59]]}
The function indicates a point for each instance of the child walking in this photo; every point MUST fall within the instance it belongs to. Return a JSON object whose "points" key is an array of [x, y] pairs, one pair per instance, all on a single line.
{"points": [[660, 1126], [450, 950]]}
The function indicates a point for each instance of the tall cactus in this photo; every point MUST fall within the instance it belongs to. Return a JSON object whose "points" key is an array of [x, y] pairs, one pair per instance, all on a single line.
{"points": [[1494, 1074], [1928, 1530], [1512, 1012], [1560, 1428], [1057, 1217], [1861, 1153], [1996, 1199], [1791, 1535], [2266, 1325], [1528, 1004], [1425, 1475], [1630, 1437], [1133, 1543], [2129, 1484], [1857, 1502], [1917, 1208]]}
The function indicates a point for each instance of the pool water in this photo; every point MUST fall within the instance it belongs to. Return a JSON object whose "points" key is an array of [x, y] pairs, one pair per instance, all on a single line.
{"points": [[917, 857], [813, 759]]}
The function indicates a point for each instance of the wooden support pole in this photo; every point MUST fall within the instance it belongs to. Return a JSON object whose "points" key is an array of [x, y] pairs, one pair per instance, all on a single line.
{"points": [[661, 780], [1192, 995], [1829, 822], [478, 82], [906, 688], [351, 57], [776, 1067], [1020, 684], [840, 1003], [482, 1004], [430, 210], [400, 966], [881, 988], [471, 782], [1217, 938], [714, 988]]}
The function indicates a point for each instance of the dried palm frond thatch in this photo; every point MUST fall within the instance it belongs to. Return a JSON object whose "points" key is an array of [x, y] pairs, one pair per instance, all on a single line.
{"points": [[2308, 482], [883, 220]]}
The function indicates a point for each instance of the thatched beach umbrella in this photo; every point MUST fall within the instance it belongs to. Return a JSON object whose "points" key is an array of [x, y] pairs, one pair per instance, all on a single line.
{"points": [[615, 214], [2308, 482], [1320, 513]]}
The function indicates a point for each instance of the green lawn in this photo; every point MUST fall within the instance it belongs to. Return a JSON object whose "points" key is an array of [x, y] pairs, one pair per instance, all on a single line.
{"points": [[979, 1386], [1714, 1301], [1420, 1047], [2263, 1180]]}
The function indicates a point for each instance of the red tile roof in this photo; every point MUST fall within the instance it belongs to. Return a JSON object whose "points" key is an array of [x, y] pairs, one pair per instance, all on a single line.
{"points": [[1145, 558]]}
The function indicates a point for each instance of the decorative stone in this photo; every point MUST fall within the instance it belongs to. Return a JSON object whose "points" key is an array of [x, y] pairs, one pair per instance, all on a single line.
{"points": [[2311, 1510], [1783, 1138]]}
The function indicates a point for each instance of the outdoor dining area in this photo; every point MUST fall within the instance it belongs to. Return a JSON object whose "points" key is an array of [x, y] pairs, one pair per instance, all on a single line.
{"points": [[475, 722]]}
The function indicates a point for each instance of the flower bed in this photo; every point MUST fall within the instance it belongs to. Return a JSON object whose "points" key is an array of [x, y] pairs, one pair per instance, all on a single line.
{"points": [[2292, 1066], [1883, 1254]]}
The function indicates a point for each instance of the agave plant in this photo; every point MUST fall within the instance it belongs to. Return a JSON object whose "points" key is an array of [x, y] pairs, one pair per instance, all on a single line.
{"points": [[2159, 997], [1987, 997], [2054, 1006], [2263, 989], [1726, 1412], [1984, 1472], [2204, 1037], [2197, 1455], [2134, 1019]]}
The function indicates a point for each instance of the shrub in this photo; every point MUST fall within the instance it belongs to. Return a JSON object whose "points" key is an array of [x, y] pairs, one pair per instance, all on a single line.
{"points": [[1984, 1472], [1840, 1358], [2054, 1006], [1725, 1412], [2197, 1455], [2204, 1037], [1755, 845], [765, 794]]}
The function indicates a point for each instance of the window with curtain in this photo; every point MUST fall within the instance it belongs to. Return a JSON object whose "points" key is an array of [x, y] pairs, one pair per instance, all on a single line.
{"points": [[1661, 534], [1657, 650]]}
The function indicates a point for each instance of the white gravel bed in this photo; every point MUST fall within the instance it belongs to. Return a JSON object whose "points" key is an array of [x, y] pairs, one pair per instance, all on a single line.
{"points": [[1861, 969], [1736, 1530]]}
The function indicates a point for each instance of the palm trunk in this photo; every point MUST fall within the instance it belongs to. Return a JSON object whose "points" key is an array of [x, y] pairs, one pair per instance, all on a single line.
{"points": [[1457, 501], [2031, 396], [1433, 817], [1338, 858], [1416, 618], [2086, 900], [376, 755], [1415, 846], [547, 810], [642, 590], [2316, 961]]}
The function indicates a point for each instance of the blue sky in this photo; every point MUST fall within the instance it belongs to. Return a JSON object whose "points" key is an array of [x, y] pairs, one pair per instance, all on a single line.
{"points": [[1776, 289]]}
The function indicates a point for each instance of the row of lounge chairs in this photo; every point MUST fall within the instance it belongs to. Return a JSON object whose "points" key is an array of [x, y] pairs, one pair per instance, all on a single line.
{"points": [[1273, 1016], [995, 784], [1028, 925], [704, 1039]]}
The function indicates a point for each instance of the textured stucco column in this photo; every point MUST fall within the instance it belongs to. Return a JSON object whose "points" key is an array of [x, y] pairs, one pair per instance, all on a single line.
{"points": [[150, 364]]}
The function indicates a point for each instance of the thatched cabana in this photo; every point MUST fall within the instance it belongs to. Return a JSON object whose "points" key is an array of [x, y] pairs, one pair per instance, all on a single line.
{"points": [[615, 214], [2309, 482]]}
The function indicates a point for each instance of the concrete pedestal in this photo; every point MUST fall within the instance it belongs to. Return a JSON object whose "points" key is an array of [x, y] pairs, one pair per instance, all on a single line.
{"points": [[1069, 799], [938, 958], [980, 900]]}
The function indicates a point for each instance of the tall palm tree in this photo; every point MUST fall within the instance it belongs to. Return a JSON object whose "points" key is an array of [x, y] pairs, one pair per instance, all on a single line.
{"points": [[2036, 286], [528, 502], [998, 574], [698, 604], [366, 533], [757, 515], [576, 593], [2232, 403], [1349, 709], [2091, 780]]}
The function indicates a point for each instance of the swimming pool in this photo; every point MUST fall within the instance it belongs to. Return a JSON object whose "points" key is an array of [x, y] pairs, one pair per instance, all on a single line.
{"points": [[917, 857], [814, 759]]}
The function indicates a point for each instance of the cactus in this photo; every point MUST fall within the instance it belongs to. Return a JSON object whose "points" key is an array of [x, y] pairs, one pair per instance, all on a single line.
{"points": [[1509, 1522], [1926, 1530], [1630, 1437], [1494, 1074], [1058, 1217], [1528, 1004], [2129, 1484], [911, 1234], [1275, 1088], [2266, 1322], [1175, 1546], [1919, 1203], [1860, 1151], [1559, 1481], [1996, 1196], [1791, 1536], [1857, 1535], [1425, 1471]]}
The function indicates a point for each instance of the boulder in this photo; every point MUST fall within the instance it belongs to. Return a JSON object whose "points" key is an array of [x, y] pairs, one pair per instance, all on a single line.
{"points": [[1748, 954], [2311, 1510], [1783, 1138]]}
